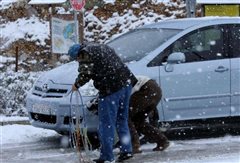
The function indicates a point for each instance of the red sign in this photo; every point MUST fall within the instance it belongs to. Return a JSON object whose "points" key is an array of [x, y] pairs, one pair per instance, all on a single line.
{"points": [[77, 5]]}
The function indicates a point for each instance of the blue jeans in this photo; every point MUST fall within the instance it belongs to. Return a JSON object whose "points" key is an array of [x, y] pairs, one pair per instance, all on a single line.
{"points": [[113, 114]]}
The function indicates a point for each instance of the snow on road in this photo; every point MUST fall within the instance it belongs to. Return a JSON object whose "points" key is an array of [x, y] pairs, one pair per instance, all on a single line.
{"points": [[25, 143]]}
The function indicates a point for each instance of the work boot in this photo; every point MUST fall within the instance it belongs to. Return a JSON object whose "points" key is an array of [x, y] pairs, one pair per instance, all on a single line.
{"points": [[102, 161], [136, 150], [124, 156], [136, 145], [162, 146]]}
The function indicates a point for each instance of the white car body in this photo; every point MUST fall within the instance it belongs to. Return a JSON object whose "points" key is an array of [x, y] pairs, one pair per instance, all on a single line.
{"points": [[192, 90]]}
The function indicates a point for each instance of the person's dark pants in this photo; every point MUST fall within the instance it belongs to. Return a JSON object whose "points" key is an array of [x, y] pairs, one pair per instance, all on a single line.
{"points": [[113, 114], [142, 104]]}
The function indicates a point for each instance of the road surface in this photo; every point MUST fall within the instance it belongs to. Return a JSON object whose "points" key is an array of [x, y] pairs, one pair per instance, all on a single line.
{"points": [[52, 149]]}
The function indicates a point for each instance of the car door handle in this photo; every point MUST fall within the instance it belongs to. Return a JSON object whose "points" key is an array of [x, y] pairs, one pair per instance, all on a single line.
{"points": [[221, 69]]}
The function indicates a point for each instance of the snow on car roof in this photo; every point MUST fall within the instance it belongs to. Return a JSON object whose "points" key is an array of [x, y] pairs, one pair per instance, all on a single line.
{"points": [[189, 22], [35, 2], [218, 1]]}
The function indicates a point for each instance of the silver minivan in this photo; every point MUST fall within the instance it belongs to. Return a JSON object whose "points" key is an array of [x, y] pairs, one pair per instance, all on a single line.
{"points": [[196, 61]]}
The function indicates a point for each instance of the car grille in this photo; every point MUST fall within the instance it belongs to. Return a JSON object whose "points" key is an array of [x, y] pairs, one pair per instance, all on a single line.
{"points": [[66, 120], [52, 119], [50, 93]]}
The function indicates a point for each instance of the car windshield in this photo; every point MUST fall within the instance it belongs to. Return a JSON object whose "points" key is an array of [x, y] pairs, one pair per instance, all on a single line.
{"points": [[138, 43]]}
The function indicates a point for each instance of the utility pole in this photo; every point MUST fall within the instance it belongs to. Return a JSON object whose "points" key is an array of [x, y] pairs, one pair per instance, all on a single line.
{"points": [[191, 8], [76, 27], [16, 60]]}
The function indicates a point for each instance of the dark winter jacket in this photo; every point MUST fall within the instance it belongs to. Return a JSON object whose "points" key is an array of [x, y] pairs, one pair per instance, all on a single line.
{"points": [[105, 68]]}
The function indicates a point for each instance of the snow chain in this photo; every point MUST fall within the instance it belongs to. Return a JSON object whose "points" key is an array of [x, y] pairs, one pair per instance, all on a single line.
{"points": [[78, 135]]}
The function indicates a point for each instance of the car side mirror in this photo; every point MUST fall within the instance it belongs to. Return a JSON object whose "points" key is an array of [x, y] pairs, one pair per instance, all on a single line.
{"points": [[176, 57]]}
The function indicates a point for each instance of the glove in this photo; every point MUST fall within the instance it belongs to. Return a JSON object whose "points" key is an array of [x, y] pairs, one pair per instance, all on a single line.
{"points": [[92, 106], [74, 88]]}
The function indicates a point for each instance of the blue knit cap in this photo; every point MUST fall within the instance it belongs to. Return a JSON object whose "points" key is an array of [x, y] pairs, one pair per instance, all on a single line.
{"points": [[73, 51]]}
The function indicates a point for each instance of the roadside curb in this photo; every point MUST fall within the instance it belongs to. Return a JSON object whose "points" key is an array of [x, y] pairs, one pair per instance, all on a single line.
{"points": [[23, 122]]}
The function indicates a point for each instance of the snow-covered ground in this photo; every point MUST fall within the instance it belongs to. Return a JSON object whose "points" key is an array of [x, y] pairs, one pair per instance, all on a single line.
{"points": [[212, 150], [25, 133]]}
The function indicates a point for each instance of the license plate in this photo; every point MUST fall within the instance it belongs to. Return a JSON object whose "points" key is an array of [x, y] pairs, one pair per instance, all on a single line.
{"points": [[41, 108]]}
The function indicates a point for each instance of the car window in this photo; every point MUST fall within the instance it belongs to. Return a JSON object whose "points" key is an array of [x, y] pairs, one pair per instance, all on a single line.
{"points": [[234, 43], [200, 45], [137, 44]]}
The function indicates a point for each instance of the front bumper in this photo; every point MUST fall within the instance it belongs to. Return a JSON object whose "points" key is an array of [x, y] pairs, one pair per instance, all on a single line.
{"points": [[54, 113]]}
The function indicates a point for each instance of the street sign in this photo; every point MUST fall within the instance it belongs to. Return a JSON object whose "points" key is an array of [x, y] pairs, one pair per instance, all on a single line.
{"points": [[63, 34], [77, 5]]}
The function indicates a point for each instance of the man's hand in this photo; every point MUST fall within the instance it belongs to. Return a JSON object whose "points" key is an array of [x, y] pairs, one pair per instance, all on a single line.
{"points": [[74, 88], [92, 106]]}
